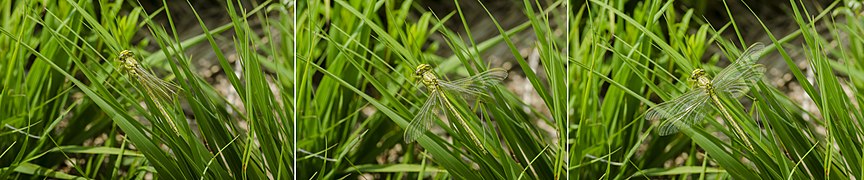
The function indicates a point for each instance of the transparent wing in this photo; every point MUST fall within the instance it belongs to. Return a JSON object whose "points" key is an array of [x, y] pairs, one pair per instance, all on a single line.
{"points": [[736, 78], [686, 110], [740, 87], [490, 77], [424, 118], [475, 86], [156, 86]]}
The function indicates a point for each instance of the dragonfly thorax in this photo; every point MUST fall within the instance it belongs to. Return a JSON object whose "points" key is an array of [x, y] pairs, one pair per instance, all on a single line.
{"points": [[701, 78]]}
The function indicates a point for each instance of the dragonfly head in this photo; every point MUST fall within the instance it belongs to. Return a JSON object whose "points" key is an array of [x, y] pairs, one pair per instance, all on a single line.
{"points": [[126, 54], [696, 74], [700, 77], [422, 68], [127, 58], [425, 75]]}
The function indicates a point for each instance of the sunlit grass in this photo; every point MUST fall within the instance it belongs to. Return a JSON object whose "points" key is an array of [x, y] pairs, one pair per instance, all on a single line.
{"points": [[357, 95], [77, 112], [623, 62]]}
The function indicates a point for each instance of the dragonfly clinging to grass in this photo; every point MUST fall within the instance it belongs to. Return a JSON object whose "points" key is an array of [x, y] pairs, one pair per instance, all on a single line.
{"points": [[160, 90], [474, 86], [694, 106], [154, 86]]}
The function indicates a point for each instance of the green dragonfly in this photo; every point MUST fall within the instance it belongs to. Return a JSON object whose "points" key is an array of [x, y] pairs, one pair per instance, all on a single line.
{"points": [[474, 86], [694, 106], [160, 90], [153, 85]]}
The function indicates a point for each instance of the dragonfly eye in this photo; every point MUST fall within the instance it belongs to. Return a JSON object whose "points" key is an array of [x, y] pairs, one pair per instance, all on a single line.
{"points": [[697, 73], [422, 68], [126, 54]]}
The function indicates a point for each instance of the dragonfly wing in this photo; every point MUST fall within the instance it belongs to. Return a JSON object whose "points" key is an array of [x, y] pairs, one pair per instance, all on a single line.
{"points": [[735, 78], [686, 110], [156, 85], [466, 91], [424, 118], [740, 87], [693, 116], [475, 86], [490, 77]]}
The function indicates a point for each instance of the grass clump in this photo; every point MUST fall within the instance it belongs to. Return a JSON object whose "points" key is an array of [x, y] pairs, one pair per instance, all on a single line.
{"points": [[69, 112], [357, 94], [627, 59]]}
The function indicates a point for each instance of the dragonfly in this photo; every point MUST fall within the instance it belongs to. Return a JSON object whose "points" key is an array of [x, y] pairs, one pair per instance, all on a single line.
{"points": [[695, 105], [473, 86], [153, 86]]}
